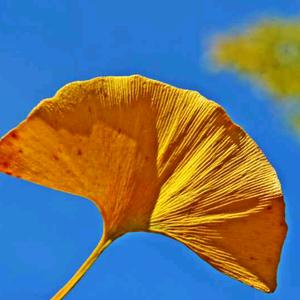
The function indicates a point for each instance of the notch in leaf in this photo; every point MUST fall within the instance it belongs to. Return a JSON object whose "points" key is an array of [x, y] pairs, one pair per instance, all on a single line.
{"points": [[158, 159]]}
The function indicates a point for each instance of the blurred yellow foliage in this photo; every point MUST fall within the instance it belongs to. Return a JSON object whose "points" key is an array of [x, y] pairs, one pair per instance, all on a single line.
{"points": [[268, 51]]}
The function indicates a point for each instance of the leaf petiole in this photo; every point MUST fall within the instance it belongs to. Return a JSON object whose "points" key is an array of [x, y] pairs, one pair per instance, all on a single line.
{"points": [[102, 245]]}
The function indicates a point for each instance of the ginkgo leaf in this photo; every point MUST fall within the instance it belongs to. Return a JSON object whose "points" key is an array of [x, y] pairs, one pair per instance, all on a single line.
{"points": [[159, 159]]}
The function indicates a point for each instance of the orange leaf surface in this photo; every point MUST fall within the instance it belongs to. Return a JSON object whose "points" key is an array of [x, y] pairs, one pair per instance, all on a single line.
{"points": [[158, 159]]}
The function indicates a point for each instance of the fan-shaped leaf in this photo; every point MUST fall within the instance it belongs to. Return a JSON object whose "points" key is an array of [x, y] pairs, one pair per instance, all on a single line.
{"points": [[160, 159]]}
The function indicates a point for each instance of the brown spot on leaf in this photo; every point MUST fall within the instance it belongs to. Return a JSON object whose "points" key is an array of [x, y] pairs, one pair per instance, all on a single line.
{"points": [[79, 152], [269, 207], [14, 135], [8, 173], [5, 164], [55, 157]]}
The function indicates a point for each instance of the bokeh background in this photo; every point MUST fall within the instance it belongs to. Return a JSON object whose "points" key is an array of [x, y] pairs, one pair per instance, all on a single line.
{"points": [[245, 55]]}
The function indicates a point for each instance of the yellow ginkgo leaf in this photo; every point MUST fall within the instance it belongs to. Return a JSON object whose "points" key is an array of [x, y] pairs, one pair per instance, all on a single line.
{"points": [[158, 159]]}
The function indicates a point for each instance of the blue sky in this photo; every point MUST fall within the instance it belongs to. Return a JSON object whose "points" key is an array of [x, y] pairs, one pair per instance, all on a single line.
{"points": [[45, 234]]}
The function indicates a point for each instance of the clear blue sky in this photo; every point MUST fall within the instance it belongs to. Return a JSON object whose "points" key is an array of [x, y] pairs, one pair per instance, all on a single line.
{"points": [[46, 235]]}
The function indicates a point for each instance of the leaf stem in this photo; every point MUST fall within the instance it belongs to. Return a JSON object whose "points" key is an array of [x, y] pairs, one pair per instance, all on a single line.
{"points": [[104, 242]]}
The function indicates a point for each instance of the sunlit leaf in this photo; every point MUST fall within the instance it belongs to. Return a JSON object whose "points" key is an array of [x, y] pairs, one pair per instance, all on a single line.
{"points": [[159, 159]]}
